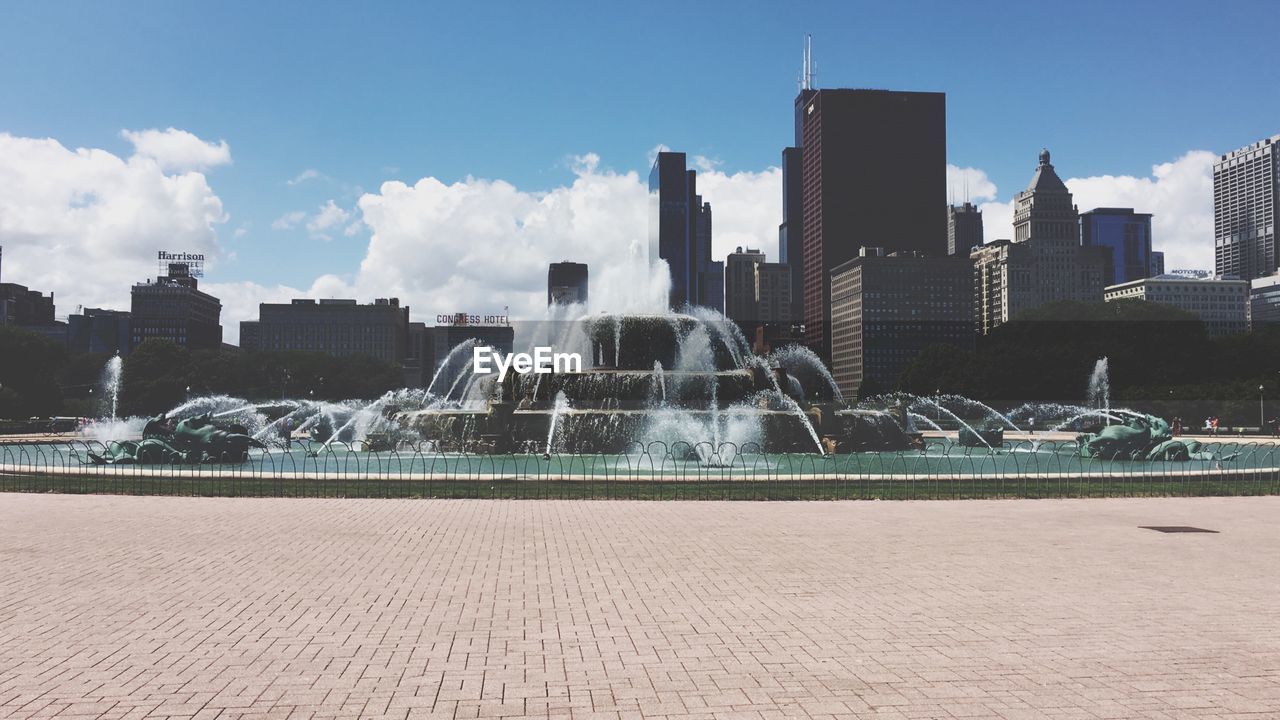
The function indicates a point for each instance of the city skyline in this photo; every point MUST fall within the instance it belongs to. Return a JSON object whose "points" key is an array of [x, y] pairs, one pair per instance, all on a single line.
{"points": [[280, 218]]}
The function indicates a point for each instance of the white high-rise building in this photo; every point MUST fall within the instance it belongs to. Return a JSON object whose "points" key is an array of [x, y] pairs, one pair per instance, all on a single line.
{"points": [[1246, 190]]}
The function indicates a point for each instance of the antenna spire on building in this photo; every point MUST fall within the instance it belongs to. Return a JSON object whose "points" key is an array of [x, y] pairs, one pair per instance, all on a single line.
{"points": [[806, 82]]}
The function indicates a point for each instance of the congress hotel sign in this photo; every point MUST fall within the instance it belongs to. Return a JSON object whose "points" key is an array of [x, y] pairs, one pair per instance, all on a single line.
{"points": [[466, 319]]}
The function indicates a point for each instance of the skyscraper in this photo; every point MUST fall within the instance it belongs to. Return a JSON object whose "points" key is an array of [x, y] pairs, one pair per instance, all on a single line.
{"points": [[680, 233], [1246, 192], [1127, 237], [671, 223], [708, 274], [964, 228], [566, 283], [791, 231], [874, 175]]}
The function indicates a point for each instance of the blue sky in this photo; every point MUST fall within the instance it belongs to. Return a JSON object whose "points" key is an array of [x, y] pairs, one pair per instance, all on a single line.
{"points": [[363, 93]]}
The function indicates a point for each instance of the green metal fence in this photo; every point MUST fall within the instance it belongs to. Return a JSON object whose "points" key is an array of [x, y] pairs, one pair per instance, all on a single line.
{"points": [[656, 471]]}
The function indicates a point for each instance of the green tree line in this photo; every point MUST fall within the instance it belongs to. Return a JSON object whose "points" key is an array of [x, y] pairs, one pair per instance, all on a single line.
{"points": [[1160, 359]]}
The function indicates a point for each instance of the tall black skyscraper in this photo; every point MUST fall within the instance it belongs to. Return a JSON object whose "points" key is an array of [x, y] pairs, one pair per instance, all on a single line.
{"points": [[874, 166], [680, 233], [964, 228], [566, 283], [791, 231]]}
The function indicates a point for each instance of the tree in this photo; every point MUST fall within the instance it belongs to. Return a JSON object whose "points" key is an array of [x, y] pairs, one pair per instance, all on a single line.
{"points": [[29, 367], [938, 368], [156, 376]]}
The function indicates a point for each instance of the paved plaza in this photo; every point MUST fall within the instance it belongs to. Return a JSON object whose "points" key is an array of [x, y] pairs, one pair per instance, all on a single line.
{"points": [[120, 607]]}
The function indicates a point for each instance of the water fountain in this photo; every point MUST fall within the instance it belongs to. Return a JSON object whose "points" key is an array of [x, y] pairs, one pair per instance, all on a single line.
{"points": [[674, 379]]}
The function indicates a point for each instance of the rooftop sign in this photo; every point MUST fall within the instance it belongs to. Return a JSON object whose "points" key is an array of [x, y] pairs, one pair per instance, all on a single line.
{"points": [[193, 261]]}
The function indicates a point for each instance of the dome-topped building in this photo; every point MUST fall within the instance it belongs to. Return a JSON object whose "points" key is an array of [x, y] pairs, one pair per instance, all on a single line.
{"points": [[1044, 262]]}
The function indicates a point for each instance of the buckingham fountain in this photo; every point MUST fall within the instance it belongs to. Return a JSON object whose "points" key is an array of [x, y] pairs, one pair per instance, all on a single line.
{"points": [[682, 387], [687, 379]]}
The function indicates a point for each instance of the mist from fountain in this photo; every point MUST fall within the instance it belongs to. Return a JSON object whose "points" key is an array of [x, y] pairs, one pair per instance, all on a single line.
{"points": [[112, 374], [658, 385], [1098, 394], [452, 365], [987, 410], [561, 404], [801, 363], [918, 417], [915, 404]]}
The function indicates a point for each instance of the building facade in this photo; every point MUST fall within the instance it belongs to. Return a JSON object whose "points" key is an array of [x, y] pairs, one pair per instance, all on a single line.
{"points": [[1222, 305], [741, 288], [708, 274], [874, 175], [173, 308], [964, 228], [773, 294], [335, 327], [758, 299], [791, 231], [99, 331], [680, 232], [567, 283], [1127, 237], [1044, 262], [1264, 302], [887, 308], [1246, 191], [757, 293], [24, 307]]}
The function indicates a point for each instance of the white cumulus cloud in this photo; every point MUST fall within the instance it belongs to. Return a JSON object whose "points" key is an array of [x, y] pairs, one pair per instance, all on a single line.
{"points": [[289, 220], [746, 208], [86, 224], [968, 183], [484, 245], [177, 150], [1178, 194], [328, 216], [305, 175]]}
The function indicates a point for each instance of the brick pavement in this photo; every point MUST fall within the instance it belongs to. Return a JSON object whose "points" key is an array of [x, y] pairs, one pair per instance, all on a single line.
{"points": [[124, 607]]}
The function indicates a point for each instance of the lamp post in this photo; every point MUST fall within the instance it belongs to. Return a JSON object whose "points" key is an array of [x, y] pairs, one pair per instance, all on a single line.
{"points": [[1262, 410]]}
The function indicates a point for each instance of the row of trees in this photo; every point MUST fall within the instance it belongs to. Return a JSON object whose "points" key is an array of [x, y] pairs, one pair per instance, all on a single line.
{"points": [[1160, 359], [39, 378]]}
